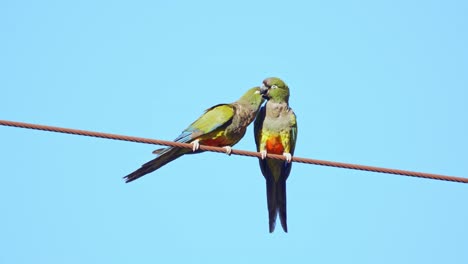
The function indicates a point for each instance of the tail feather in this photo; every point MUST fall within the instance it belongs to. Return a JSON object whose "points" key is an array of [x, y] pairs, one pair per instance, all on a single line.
{"points": [[154, 164], [276, 199], [281, 203], [271, 201]]}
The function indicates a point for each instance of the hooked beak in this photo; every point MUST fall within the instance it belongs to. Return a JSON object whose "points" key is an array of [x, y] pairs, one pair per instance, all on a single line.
{"points": [[264, 91]]}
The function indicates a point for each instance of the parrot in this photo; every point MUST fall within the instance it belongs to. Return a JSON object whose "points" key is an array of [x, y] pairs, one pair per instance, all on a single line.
{"points": [[222, 125], [275, 130]]}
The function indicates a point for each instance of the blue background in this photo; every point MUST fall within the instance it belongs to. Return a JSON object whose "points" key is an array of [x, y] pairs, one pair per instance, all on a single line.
{"points": [[380, 83]]}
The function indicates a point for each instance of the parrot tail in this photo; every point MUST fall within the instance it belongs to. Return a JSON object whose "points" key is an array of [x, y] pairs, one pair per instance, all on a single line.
{"points": [[276, 198], [165, 157]]}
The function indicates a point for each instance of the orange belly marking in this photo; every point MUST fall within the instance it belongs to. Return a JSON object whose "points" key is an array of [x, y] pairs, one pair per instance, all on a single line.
{"points": [[274, 145]]}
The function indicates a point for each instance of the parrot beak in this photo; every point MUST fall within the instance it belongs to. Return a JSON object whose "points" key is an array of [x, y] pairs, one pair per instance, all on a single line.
{"points": [[263, 90]]}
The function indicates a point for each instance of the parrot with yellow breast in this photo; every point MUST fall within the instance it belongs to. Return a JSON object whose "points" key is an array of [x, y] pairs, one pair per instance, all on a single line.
{"points": [[275, 131]]}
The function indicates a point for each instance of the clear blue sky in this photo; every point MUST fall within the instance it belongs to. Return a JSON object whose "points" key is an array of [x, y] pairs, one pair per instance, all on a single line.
{"points": [[380, 83]]}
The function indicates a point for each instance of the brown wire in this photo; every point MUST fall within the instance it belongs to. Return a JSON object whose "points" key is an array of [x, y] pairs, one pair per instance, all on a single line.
{"points": [[234, 151]]}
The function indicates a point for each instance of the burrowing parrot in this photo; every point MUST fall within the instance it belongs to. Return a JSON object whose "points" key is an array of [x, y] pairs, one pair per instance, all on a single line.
{"points": [[275, 131], [222, 125]]}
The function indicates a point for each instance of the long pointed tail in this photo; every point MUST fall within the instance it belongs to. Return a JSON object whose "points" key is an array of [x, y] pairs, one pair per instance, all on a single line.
{"points": [[154, 164], [276, 198]]}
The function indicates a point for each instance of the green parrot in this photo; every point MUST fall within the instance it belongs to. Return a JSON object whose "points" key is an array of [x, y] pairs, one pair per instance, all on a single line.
{"points": [[275, 131], [222, 125]]}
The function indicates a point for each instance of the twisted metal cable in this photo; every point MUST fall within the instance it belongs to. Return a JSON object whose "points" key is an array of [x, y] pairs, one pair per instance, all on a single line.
{"points": [[234, 151]]}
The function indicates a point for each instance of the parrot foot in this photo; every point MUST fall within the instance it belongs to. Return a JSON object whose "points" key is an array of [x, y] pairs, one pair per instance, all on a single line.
{"points": [[288, 157], [196, 145], [263, 153], [228, 150]]}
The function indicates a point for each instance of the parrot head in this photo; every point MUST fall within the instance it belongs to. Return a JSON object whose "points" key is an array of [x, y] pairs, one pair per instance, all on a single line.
{"points": [[253, 97], [275, 89]]}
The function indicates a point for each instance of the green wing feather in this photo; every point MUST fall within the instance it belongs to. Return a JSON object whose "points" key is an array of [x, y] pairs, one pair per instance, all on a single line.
{"points": [[213, 118], [293, 132]]}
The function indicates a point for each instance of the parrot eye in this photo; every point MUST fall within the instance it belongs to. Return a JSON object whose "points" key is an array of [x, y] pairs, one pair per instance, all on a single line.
{"points": [[274, 86]]}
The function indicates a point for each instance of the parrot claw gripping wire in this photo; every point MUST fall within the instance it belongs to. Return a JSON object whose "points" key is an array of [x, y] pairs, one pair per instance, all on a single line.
{"points": [[228, 150], [288, 157], [263, 153], [196, 145]]}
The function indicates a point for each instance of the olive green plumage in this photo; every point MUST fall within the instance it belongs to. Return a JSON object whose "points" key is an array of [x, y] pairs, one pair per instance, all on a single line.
{"points": [[222, 125]]}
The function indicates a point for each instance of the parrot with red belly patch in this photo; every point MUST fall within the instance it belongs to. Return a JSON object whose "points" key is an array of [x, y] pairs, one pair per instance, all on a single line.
{"points": [[222, 125], [275, 131]]}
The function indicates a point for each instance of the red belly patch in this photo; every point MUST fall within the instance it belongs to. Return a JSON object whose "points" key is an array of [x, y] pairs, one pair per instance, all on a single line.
{"points": [[216, 142], [274, 145]]}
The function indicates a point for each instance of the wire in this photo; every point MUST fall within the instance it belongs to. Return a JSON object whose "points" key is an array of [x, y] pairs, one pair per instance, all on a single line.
{"points": [[234, 151]]}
